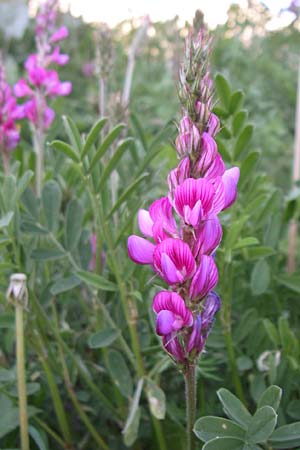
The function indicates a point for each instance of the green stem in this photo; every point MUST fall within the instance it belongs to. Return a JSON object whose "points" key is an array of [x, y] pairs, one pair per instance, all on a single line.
{"points": [[159, 433], [50, 432], [39, 139], [191, 399], [20, 351]]}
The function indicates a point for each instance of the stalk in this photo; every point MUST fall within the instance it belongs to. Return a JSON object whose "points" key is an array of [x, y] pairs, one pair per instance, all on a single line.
{"points": [[191, 400], [38, 140], [17, 292]]}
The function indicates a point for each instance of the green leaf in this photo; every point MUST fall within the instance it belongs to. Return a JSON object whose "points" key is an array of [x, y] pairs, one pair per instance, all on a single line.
{"points": [[64, 285], [33, 228], [247, 166], [10, 420], [285, 437], [126, 194], [103, 338], [261, 425], [224, 443], [293, 409], [223, 90], [235, 230], [73, 224], [118, 153], [223, 150], [157, 400], [97, 281], [24, 181], [260, 277], [242, 141], [234, 408], [30, 203], [259, 252], [210, 427], [93, 136], [246, 242], [73, 133], [47, 254], [51, 198], [130, 430], [272, 332], [5, 220], [271, 397], [244, 363], [236, 101], [119, 372], [66, 149], [9, 193], [292, 281], [238, 122], [39, 437], [109, 139], [139, 129]]}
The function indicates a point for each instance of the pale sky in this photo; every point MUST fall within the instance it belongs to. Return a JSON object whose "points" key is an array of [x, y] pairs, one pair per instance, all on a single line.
{"points": [[114, 11]]}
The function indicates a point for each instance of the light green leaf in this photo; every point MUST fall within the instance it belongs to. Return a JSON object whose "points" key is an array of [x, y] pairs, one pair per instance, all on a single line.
{"points": [[210, 427], [109, 139], [287, 436], [66, 149], [261, 425], [223, 90], [64, 284], [47, 254], [271, 397], [93, 136], [242, 141], [236, 101], [157, 400], [247, 166], [292, 281], [259, 252], [234, 408], [73, 133], [51, 198], [118, 153], [24, 181], [260, 277], [97, 281], [73, 224], [224, 443], [39, 437], [246, 242], [238, 122], [103, 338], [272, 332], [119, 372]]}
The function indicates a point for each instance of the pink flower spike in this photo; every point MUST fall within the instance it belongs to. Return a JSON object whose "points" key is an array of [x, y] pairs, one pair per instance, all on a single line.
{"points": [[205, 278], [140, 250], [172, 313], [208, 153], [60, 34], [230, 180], [216, 169], [58, 58], [173, 260]]}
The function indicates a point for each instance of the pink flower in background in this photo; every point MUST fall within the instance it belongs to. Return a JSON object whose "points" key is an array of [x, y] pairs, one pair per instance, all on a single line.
{"points": [[183, 228], [9, 113], [43, 82]]}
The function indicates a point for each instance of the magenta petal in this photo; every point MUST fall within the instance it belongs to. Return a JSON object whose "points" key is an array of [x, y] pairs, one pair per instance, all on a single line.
{"points": [[140, 250], [164, 322], [21, 89], [60, 34], [208, 236], [230, 180], [145, 223], [170, 271], [205, 278], [196, 214]]}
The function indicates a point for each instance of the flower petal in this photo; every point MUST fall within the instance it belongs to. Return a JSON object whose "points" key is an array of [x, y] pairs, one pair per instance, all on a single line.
{"points": [[140, 250]]}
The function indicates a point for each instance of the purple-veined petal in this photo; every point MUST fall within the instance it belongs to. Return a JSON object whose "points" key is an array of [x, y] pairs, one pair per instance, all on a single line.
{"points": [[205, 278], [208, 236]]}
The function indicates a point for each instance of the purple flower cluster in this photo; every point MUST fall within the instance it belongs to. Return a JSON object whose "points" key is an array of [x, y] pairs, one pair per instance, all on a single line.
{"points": [[9, 113], [43, 82], [183, 227]]}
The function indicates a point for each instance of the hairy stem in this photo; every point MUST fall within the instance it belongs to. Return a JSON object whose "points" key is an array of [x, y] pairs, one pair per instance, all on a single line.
{"points": [[191, 399], [20, 351]]}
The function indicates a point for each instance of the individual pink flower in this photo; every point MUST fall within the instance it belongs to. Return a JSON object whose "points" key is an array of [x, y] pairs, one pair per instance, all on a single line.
{"points": [[140, 250], [172, 313], [158, 222], [174, 261], [189, 137], [193, 200]]}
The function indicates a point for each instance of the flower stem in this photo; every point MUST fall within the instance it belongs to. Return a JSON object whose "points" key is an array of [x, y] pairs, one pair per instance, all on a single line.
{"points": [[21, 376], [191, 399], [38, 139]]}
